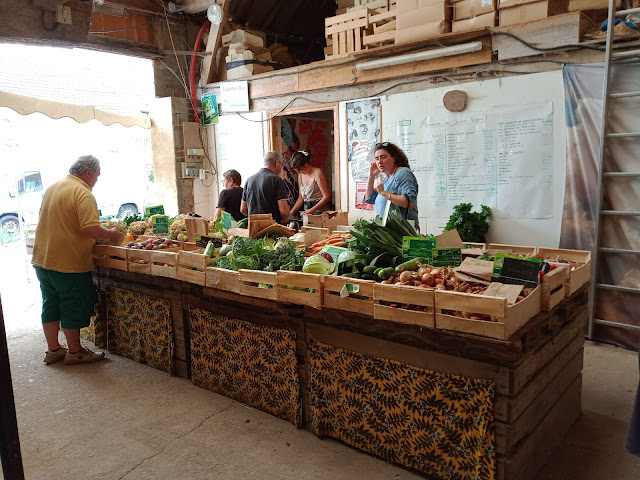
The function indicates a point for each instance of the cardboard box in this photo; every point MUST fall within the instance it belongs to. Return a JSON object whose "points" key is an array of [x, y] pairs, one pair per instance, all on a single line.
{"points": [[486, 20], [523, 13], [424, 15], [472, 8], [423, 32], [328, 219], [407, 5]]}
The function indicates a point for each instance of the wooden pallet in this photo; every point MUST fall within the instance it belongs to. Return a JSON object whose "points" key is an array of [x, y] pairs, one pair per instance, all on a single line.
{"points": [[110, 256], [222, 279], [357, 302], [510, 318], [250, 279], [345, 32], [404, 295], [300, 288], [578, 276]]}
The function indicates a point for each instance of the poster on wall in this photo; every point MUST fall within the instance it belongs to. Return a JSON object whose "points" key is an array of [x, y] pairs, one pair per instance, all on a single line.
{"points": [[363, 132], [486, 158], [361, 191]]}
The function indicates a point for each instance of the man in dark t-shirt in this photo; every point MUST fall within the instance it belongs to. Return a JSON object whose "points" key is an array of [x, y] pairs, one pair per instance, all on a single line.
{"points": [[230, 198], [266, 192]]}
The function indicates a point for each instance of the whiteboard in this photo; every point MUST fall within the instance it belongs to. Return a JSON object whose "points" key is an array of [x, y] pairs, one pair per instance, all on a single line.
{"points": [[506, 150]]}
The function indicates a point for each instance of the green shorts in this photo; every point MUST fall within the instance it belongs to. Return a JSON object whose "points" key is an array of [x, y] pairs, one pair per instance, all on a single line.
{"points": [[67, 297]]}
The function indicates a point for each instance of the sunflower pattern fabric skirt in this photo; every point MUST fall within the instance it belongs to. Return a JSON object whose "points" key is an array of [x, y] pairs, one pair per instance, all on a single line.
{"points": [[95, 332], [253, 364], [439, 424], [139, 327]]}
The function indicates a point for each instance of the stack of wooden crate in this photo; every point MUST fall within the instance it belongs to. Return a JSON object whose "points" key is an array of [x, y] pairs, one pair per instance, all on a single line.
{"points": [[359, 24]]}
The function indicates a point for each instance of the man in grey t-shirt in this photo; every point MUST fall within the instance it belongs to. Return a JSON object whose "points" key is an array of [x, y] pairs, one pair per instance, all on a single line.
{"points": [[266, 192]]}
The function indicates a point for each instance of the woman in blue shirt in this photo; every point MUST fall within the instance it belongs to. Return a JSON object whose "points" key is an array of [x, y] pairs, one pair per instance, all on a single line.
{"points": [[399, 186]]}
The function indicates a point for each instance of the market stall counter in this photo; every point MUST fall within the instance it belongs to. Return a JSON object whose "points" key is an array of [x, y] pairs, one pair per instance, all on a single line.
{"points": [[445, 403]]}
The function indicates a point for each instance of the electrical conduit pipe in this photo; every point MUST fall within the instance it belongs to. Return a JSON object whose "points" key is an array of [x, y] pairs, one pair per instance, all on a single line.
{"points": [[192, 73]]}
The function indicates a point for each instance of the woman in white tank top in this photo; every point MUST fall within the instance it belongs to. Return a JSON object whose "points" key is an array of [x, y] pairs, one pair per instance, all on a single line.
{"points": [[314, 190]]}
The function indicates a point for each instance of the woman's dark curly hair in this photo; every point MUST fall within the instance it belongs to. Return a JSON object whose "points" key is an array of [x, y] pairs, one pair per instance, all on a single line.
{"points": [[399, 157], [300, 159]]}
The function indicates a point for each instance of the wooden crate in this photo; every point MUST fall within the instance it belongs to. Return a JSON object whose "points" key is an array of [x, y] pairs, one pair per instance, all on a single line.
{"points": [[377, 5], [360, 302], [164, 263], [345, 32], [250, 279], [384, 29], [404, 295], [192, 264], [510, 318], [493, 248], [222, 279], [134, 254], [110, 256], [578, 276], [293, 287], [553, 288]]}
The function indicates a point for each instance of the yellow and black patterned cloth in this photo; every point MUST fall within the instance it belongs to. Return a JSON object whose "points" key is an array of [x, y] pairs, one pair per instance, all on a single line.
{"points": [[439, 424], [139, 327], [95, 332], [250, 363]]}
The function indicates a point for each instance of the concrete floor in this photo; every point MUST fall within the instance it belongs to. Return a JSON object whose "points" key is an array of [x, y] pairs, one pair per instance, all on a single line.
{"points": [[122, 420]]}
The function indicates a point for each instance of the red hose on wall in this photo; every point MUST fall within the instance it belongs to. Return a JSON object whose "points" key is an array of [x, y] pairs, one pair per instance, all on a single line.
{"points": [[192, 73]]}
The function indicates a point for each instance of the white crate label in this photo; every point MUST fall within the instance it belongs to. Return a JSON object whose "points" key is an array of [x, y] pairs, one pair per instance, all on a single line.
{"points": [[348, 289]]}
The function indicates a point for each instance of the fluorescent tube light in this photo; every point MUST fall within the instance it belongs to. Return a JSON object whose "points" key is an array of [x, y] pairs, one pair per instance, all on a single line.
{"points": [[425, 55]]}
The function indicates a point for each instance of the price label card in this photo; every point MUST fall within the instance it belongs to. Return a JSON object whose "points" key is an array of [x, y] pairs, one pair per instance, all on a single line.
{"points": [[227, 219], [203, 240], [516, 270], [414, 247], [158, 209], [446, 257], [161, 228]]}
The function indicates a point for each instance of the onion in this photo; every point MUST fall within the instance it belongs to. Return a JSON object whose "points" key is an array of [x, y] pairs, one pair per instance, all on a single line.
{"points": [[427, 279]]}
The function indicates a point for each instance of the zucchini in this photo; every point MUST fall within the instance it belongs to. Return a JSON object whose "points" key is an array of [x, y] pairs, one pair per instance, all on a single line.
{"points": [[385, 273], [368, 276], [370, 269], [410, 265], [352, 275], [210, 249], [359, 266]]}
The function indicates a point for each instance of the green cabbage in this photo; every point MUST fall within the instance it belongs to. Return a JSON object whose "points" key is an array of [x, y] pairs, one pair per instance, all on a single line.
{"points": [[318, 265]]}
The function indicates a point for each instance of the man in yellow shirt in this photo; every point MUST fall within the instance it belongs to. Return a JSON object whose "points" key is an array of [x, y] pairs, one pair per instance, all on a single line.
{"points": [[63, 259]]}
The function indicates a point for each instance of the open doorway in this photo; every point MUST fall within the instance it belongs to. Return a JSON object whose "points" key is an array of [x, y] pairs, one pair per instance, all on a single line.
{"points": [[312, 130]]}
